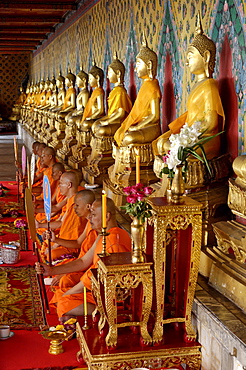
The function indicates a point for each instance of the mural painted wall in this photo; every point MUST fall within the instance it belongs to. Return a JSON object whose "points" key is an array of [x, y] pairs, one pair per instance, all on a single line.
{"points": [[13, 73], [169, 26]]}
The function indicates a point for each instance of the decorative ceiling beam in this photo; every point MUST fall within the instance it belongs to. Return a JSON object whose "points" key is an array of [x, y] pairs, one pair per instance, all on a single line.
{"points": [[44, 5], [31, 19], [5, 29], [22, 36]]}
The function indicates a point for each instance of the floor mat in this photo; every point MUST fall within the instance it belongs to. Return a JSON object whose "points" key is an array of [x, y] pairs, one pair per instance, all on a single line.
{"points": [[20, 300]]}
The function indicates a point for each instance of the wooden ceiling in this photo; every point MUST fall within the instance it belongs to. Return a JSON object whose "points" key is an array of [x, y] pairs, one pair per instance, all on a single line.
{"points": [[25, 24]]}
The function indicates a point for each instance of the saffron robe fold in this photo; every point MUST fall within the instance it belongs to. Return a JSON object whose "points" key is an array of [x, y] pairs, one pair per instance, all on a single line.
{"points": [[117, 241], [88, 108], [118, 98], [149, 91], [203, 100]]}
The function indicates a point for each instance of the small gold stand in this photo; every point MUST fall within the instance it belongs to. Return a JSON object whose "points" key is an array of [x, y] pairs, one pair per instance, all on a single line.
{"points": [[85, 326], [104, 251], [56, 337]]}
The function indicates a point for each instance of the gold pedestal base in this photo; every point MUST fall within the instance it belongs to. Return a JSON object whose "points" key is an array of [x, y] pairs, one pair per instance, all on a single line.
{"points": [[130, 354]]}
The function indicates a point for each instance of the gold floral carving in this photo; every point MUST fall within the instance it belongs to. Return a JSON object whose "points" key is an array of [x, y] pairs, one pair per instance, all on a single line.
{"points": [[125, 276], [175, 217]]}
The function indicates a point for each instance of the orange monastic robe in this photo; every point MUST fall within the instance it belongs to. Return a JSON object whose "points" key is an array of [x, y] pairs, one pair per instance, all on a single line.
{"points": [[73, 278], [69, 92], [71, 228], [88, 108], [203, 100], [117, 241], [118, 98], [39, 170], [149, 91]]}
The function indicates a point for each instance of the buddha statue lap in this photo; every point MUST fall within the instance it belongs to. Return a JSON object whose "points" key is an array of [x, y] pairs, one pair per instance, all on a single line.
{"points": [[68, 106], [140, 128], [94, 110], [51, 102], [74, 117], [204, 105], [60, 83], [103, 130], [16, 111]]}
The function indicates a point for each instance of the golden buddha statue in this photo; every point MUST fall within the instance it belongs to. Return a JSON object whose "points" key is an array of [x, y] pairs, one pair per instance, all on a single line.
{"points": [[51, 102], [26, 105], [68, 106], [141, 127], [35, 101], [45, 104], [103, 130], [15, 115], [60, 83], [204, 102], [74, 117], [94, 110]]}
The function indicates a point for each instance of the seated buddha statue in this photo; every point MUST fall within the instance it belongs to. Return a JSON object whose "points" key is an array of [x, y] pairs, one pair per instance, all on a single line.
{"points": [[44, 102], [26, 106], [204, 104], [103, 130], [60, 83], [51, 102], [33, 119], [94, 110], [141, 126], [74, 117], [68, 106], [15, 115]]}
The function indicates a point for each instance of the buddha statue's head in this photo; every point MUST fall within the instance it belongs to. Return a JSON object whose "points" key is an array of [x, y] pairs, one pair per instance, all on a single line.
{"points": [[83, 76], [116, 70], [60, 81], [53, 83], [47, 85], [70, 78], [146, 61], [206, 48], [96, 76]]}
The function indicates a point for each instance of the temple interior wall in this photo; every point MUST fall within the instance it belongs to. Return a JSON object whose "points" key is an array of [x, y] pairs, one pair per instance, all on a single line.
{"points": [[116, 25], [13, 73]]}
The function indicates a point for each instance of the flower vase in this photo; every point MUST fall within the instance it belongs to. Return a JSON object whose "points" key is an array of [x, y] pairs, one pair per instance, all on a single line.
{"points": [[23, 239], [178, 185], [137, 234]]}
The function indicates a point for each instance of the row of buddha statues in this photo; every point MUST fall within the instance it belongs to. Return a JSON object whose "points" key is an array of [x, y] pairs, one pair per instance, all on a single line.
{"points": [[107, 144]]}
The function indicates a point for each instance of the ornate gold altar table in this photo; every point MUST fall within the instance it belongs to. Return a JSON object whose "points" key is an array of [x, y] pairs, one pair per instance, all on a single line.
{"points": [[117, 271], [174, 239], [129, 354]]}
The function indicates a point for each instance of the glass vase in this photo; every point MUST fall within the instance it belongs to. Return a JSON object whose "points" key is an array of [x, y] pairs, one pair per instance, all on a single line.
{"points": [[137, 235], [178, 185]]}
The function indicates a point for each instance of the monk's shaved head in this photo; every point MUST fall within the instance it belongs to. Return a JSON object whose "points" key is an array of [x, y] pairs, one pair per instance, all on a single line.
{"points": [[87, 196], [70, 176], [78, 174], [110, 205], [50, 151], [59, 166]]}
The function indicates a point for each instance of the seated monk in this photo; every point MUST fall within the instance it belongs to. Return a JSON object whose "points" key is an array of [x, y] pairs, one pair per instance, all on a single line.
{"points": [[71, 302], [204, 102], [82, 204], [71, 226], [94, 109], [40, 167], [143, 122], [57, 199], [48, 158]]}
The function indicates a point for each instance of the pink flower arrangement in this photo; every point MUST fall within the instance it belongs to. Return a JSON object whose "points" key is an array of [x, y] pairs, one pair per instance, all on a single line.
{"points": [[20, 224], [136, 201]]}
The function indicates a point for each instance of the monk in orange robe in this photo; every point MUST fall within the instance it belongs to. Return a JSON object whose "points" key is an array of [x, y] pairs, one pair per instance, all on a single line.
{"points": [[71, 225], [48, 158], [40, 167], [70, 302], [57, 199]]}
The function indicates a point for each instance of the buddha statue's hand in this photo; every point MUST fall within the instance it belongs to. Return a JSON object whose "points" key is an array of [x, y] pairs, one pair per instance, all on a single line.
{"points": [[163, 146]]}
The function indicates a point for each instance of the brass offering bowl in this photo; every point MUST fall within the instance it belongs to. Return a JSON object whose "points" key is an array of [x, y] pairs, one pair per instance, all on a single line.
{"points": [[56, 337]]}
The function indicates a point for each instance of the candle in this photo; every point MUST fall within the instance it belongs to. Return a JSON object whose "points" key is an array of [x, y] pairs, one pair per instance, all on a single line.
{"points": [[15, 148], [85, 302], [137, 169], [104, 209]]}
